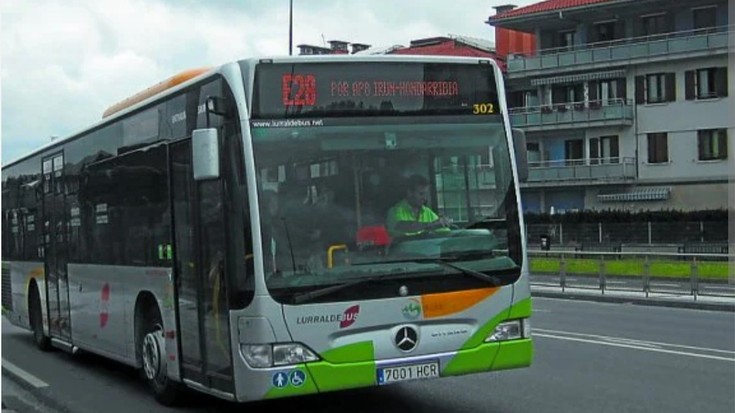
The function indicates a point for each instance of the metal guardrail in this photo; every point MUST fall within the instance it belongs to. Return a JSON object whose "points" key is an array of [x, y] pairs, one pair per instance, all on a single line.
{"points": [[646, 284], [612, 111], [623, 49], [614, 168]]}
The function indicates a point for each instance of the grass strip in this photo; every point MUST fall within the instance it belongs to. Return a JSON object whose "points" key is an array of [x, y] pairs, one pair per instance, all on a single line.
{"points": [[631, 267]]}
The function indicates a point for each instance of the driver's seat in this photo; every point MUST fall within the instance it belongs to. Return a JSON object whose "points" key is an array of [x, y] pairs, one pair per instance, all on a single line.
{"points": [[372, 237]]}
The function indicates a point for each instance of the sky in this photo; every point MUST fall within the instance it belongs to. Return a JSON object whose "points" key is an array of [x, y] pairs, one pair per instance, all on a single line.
{"points": [[63, 62]]}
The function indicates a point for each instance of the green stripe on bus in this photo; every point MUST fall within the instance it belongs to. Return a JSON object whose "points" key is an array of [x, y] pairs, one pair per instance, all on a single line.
{"points": [[474, 355], [514, 354]]}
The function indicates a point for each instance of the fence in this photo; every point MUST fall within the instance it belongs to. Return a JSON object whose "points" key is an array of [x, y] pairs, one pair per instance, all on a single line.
{"points": [[690, 273], [681, 237]]}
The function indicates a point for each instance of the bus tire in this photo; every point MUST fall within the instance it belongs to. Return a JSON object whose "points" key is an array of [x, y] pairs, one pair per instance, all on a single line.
{"points": [[35, 316], [152, 348]]}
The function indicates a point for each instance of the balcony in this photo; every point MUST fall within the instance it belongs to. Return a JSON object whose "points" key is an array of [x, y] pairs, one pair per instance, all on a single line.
{"points": [[628, 51], [573, 115], [608, 170]]}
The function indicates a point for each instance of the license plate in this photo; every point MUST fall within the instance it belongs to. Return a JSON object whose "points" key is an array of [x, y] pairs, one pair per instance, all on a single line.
{"points": [[393, 374]]}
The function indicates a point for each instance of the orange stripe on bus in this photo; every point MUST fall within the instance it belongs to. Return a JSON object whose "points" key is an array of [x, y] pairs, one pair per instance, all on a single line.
{"points": [[443, 304], [154, 90]]}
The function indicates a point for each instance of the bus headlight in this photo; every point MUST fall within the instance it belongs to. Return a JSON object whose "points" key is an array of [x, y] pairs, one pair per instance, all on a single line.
{"points": [[270, 355], [510, 330], [257, 355], [292, 353]]}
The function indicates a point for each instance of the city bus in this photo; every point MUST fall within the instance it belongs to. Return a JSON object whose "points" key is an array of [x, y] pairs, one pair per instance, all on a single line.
{"points": [[234, 230]]}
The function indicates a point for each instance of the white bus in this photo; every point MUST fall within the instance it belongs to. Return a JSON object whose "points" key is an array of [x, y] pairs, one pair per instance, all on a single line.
{"points": [[281, 226]]}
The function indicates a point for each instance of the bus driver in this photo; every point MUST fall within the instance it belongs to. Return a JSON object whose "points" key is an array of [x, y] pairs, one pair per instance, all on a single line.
{"points": [[411, 216]]}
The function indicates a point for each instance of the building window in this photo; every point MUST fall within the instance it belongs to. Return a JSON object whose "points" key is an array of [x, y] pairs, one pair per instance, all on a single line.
{"points": [[655, 91], [706, 83], [712, 144], [658, 148], [604, 149], [566, 40], [534, 152], [655, 88], [654, 24], [605, 31], [573, 151], [611, 90], [705, 17]]}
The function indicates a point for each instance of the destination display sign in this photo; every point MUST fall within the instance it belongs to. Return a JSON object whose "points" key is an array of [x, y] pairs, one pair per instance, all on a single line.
{"points": [[338, 89]]}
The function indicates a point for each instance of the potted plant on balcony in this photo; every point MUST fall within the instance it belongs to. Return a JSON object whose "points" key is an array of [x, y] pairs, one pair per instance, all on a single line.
{"points": [[561, 108], [545, 109], [579, 106], [595, 104]]}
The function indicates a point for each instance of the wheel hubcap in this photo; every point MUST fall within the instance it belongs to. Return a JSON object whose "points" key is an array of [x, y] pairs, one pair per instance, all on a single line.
{"points": [[151, 356]]}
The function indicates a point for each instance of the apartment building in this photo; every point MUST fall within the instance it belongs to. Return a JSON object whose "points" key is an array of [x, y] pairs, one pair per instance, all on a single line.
{"points": [[626, 104]]}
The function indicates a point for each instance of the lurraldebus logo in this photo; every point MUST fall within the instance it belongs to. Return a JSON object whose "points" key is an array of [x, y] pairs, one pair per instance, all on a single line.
{"points": [[345, 319]]}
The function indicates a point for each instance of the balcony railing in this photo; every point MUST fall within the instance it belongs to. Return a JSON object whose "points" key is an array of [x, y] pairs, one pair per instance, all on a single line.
{"points": [[605, 169], [612, 111], [629, 49]]}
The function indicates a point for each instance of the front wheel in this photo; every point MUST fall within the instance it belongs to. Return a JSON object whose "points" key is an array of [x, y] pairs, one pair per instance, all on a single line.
{"points": [[153, 353], [43, 342]]}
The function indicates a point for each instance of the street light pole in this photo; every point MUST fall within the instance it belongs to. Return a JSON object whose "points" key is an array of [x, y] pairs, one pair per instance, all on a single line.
{"points": [[290, 27]]}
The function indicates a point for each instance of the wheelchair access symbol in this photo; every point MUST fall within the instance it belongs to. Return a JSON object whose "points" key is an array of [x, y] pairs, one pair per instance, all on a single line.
{"points": [[298, 378]]}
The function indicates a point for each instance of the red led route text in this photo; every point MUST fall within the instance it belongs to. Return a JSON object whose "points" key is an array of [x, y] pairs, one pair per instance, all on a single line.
{"points": [[300, 90], [394, 88]]}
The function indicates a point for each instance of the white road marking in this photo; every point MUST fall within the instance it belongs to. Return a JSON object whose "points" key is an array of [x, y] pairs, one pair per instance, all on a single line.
{"points": [[658, 350], [28, 377], [656, 284], [656, 344]]}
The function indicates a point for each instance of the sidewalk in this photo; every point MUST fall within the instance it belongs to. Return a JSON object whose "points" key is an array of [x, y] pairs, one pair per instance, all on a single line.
{"points": [[680, 300], [16, 398]]}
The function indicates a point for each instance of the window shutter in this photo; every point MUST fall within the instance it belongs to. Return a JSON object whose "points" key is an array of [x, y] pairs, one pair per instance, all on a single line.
{"points": [[593, 92], [670, 87], [640, 90], [622, 92], [701, 138], [721, 81], [722, 143], [651, 148], [614, 148], [594, 151], [689, 92]]}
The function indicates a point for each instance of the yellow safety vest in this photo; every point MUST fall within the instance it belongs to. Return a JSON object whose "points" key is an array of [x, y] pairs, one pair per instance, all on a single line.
{"points": [[403, 211]]}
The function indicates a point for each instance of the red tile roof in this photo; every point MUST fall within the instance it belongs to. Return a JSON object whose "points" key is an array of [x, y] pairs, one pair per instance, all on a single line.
{"points": [[545, 6], [450, 47]]}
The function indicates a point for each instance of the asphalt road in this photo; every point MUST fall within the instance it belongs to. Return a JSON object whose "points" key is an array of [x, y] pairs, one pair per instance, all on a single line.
{"points": [[590, 357]]}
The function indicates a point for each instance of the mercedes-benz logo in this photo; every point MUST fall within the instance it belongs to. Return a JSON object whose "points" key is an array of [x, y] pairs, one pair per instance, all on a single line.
{"points": [[406, 339]]}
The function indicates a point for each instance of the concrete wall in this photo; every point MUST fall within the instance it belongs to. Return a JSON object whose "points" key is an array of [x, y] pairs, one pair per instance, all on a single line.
{"points": [[681, 120]]}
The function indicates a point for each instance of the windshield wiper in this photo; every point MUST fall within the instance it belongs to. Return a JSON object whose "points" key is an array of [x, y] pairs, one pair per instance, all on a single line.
{"points": [[304, 297], [443, 262], [496, 281], [308, 296]]}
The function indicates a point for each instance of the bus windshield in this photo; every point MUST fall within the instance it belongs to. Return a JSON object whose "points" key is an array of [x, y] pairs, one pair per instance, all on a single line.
{"points": [[396, 178]]}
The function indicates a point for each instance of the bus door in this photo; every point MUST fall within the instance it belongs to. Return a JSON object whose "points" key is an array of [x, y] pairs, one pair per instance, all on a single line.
{"points": [[199, 254], [55, 237]]}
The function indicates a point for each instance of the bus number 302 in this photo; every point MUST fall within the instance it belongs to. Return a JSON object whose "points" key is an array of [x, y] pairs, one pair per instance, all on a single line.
{"points": [[483, 108], [298, 90]]}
